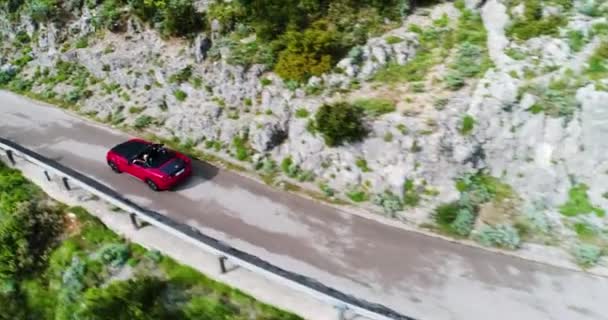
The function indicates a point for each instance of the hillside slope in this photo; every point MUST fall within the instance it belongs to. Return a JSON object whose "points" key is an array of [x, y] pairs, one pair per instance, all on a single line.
{"points": [[481, 120]]}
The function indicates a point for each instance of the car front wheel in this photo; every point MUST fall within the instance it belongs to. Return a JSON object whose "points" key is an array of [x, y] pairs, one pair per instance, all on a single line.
{"points": [[114, 167], [152, 185]]}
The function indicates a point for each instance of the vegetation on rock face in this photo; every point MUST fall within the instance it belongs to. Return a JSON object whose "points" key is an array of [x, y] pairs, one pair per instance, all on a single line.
{"points": [[533, 23], [59, 266], [598, 62], [375, 106], [306, 37], [458, 218], [579, 203], [340, 123]]}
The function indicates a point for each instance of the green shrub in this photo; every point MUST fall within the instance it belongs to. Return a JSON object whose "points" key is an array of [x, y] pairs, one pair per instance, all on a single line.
{"points": [[82, 42], [445, 214], [180, 18], [375, 106], [339, 123], [389, 202], [480, 188], [576, 40], [587, 255], [467, 125], [411, 197], [516, 54], [585, 230], [502, 236], [308, 53], [537, 219], [362, 164], [454, 80], [286, 164], [180, 95], [441, 103], [135, 110], [464, 222], [393, 39], [6, 76], [305, 176], [598, 65], [556, 100], [113, 254], [388, 136], [73, 96], [533, 24], [20, 85], [591, 8], [21, 37], [267, 166], [579, 203], [110, 15], [327, 190], [266, 82], [43, 10], [302, 113], [357, 195], [241, 151], [28, 230], [143, 122], [181, 76]]}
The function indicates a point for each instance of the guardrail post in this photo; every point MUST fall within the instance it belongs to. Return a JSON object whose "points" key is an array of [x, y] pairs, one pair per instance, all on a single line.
{"points": [[46, 174], [134, 221], [11, 158], [222, 260], [66, 184], [342, 309]]}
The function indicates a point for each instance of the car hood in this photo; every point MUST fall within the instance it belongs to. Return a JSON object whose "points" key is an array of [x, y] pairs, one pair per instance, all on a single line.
{"points": [[173, 166]]}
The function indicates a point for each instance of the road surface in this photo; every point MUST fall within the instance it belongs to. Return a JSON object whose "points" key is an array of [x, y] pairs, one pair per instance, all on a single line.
{"points": [[418, 275]]}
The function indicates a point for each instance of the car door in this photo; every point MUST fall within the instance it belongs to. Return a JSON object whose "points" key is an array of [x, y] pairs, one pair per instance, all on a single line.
{"points": [[138, 170]]}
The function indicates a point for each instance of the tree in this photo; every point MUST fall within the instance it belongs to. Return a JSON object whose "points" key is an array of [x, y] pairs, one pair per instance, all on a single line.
{"points": [[180, 18], [340, 123], [134, 299], [26, 234], [308, 53], [202, 308]]}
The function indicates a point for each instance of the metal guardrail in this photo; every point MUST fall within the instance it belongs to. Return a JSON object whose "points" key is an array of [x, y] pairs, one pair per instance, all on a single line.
{"points": [[316, 289]]}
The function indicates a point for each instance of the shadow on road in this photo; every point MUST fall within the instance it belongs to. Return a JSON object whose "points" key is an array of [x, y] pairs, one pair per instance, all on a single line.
{"points": [[201, 172]]}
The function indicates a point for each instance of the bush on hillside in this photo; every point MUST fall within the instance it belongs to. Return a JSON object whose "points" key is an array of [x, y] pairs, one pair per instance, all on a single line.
{"points": [[180, 18], [502, 236], [307, 53], [27, 232], [339, 123], [43, 10]]}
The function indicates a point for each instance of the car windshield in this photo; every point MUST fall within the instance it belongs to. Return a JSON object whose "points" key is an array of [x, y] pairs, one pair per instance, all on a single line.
{"points": [[157, 158]]}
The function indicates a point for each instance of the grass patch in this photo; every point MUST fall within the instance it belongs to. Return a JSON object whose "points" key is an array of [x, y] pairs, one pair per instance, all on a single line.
{"points": [[578, 203], [302, 113], [598, 63], [357, 194], [143, 122], [576, 40], [180, 95], [467, 124], [362, 164], [533, 24], [375, 107]]}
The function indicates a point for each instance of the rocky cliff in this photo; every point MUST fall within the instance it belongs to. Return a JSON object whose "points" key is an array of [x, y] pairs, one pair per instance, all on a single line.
{"points": [[493, 127]]}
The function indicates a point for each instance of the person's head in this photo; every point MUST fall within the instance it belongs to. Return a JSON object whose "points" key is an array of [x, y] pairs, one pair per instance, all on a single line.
{"points": [[145, 157]]}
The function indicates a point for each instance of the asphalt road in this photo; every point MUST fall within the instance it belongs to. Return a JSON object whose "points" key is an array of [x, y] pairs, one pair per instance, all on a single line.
{"points": [[418, 275]]}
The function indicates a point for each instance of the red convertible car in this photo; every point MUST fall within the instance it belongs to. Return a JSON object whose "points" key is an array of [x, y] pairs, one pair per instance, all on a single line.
{"points": [[159, 167]]}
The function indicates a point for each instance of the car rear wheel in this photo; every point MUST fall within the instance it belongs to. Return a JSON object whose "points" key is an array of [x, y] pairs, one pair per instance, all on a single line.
{"points": [[152, 185], [114, 167]]}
